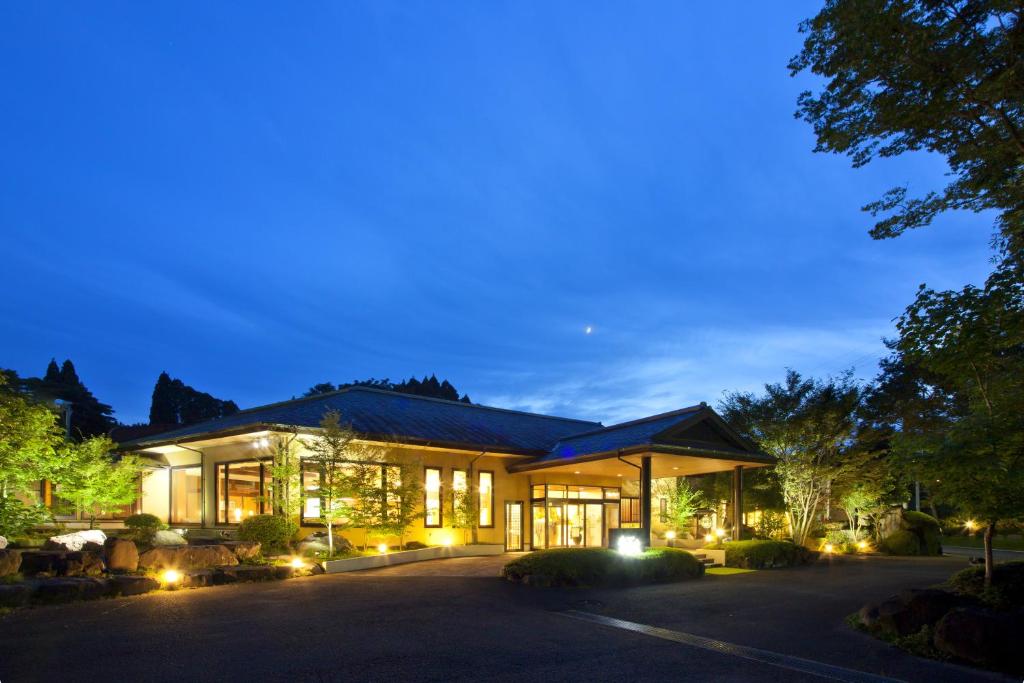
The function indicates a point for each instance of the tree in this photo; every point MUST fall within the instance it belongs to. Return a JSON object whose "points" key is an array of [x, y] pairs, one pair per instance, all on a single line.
{"points": [[683, 501], [465, 508], [810, 427], [89, 417], [429, 387], [96, 483], [286, 475], [347, 477], [910, 75], [30, 436], [971, 342], [176, 403], [404, 495]]}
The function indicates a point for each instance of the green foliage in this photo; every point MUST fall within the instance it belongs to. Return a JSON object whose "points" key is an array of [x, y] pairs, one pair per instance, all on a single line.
{"points": [[810, 427], [683, 501], [273, 532], [176, 403], [927, 530], [766, 554], [901, 542], [142, 526], [428, 386], [29, 440], [17, 518], [286, 478], [591, 567], [1006, 591], [771, 525], [404, 496], [913, 75], [94, 482]]}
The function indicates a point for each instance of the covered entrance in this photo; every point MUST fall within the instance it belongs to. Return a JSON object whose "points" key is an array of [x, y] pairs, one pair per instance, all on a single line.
{"points": [[572, 516]]}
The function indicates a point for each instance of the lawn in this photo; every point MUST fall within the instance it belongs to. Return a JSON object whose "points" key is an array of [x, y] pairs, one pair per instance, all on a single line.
{"points": [[727, 571], [999, 542]]}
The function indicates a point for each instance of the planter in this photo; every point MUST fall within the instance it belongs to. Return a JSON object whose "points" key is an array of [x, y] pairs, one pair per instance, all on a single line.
{"points": [[405, 556]]}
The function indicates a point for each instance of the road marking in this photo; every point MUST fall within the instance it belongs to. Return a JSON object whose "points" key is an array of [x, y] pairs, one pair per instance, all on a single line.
{"points": [[807, 666]]}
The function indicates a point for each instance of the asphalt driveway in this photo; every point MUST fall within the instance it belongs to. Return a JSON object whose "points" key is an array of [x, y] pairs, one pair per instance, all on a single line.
{"points": [[489, 566], [374, 626]]}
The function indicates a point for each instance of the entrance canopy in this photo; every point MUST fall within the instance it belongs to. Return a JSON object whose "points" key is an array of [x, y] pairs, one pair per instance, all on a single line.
{"points": [[684, 442]]}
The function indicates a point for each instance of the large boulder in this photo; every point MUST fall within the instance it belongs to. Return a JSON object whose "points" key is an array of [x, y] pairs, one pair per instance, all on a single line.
{"points": [[3, 542], [82, 563], [10, 562], [122, 555], [166, 537], [906, 613], [244, 550], [68, 589], [316, 542], [125, 585], [86, 539], [187, 557], [41, 562], [984, 637]]}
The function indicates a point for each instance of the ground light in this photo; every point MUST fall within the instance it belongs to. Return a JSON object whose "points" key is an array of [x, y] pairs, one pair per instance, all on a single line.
{"points": [[170, 577], [382, 548], [970, 525], [446, 541], [710, 538], [720, 533], [862, 545], [629, 545], [670, 535], [297, 563], [829, 548]]}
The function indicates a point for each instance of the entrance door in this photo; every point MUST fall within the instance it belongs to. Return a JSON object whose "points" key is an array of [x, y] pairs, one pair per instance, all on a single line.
{"points": [[513, 525]]}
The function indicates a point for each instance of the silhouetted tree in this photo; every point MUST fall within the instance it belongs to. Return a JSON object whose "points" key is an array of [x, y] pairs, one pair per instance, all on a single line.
{"points": [[428, 386], [176, 403], [89, 417]]}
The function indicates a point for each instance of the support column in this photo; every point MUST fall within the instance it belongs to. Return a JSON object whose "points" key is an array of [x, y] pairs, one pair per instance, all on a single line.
{"points": [[645, 498], [737, 502]]}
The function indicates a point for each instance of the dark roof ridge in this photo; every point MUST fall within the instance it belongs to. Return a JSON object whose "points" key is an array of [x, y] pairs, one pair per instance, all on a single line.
{"points": [[649, 418]]}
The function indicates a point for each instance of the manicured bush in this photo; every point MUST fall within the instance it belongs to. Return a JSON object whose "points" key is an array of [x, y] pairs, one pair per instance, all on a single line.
{"points": [[272, 532], [1006, 592], [142, 527], [927, 530], [415, 545], [602, 567], [901, 542], [766, 554]]}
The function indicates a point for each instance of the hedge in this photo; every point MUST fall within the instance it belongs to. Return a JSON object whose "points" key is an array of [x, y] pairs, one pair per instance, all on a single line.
{"points": [[1006, 592], [272, 532], [920, 535], [901, 542], [766, 554], [591, 567]]}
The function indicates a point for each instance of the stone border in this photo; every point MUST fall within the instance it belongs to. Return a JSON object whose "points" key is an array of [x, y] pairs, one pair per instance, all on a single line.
{"points": [[437, 552]]}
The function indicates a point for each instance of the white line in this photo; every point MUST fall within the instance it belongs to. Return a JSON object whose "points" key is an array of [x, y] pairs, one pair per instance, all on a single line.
{"points": [[807, 666]]}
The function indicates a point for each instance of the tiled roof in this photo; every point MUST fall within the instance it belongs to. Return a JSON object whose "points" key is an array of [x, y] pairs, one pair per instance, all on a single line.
{"points": [[615, 437], [401, 416]]}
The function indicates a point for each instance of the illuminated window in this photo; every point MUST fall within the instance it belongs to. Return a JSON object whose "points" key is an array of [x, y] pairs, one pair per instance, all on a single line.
{"points": [[663, 510], [485, 487], [310, 492], [432, 495], [187, 495], [240, 491], [629, 512]]}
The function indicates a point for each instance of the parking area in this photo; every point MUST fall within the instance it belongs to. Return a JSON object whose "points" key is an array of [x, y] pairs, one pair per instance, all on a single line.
{"points": [[457, 566]]}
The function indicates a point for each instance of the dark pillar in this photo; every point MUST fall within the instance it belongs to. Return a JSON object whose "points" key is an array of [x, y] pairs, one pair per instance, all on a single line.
{"points": [[645, 498], [737, 502]]}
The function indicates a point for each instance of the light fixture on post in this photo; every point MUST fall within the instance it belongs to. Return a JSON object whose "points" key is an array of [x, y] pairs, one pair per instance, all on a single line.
{"points": [[629, 545]]}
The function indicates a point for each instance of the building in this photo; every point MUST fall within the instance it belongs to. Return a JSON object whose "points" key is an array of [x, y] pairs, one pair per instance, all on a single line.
{"points": [[541, 481]]}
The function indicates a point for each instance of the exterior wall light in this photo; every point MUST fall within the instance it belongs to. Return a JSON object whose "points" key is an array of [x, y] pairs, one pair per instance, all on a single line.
{"points": [[629, 545], [382, 548]]}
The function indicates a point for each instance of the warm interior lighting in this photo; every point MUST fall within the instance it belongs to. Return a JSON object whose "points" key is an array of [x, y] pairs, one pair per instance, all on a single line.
{"points": [[382, 548], [238, 514], [170, 576], [670, 535], [629, 545], [576, 472], [297, 563], [828, 548]]}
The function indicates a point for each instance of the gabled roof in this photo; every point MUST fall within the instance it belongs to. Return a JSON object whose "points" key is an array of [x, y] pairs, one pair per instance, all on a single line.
{"points": [[393, 416]]}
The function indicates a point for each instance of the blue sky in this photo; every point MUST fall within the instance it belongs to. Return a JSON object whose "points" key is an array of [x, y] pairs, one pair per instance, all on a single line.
{"points": [[258, 198]]}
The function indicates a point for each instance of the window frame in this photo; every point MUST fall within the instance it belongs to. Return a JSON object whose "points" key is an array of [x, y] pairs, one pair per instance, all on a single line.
{"points": [[264, 503], [440, 497], [170, 495], [479, 500]]}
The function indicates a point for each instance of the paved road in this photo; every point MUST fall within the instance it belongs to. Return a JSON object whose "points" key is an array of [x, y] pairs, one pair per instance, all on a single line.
{"points": [[998, 555], [370, 626], [489, 566]]}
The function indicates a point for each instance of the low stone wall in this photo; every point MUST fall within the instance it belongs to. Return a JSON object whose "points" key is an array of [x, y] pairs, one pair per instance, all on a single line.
{"points": [[405, 556]]}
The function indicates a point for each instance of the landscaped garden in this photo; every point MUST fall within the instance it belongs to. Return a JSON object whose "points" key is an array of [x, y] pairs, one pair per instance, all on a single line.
{"points": [[597, 567]]}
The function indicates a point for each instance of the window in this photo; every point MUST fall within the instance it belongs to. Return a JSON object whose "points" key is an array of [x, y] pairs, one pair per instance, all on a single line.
{"points": [[629, 512], [485, 486], [187, 495], [240, 491], [432, 495], [663, 510], [310, 491]]}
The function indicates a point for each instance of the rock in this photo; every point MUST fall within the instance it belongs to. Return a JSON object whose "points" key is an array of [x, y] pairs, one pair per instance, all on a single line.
{"points": [[906, 613], [15, 594], [3, 542], [188, 557], [316, 542], [76, 541], [132, 585], [244, 550], [122, 555], [200, 578], [69, 589], [41, 562], [166, 537], [82, 563], [979, 636], [246, 573], [10, 562]]}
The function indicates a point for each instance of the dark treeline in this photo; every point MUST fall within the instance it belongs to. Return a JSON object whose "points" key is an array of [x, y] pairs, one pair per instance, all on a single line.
{"points": [[428, 386]]}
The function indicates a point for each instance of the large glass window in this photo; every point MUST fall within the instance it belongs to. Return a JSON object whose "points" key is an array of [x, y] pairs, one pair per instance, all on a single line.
{"points": [[485, 487], [629, 512], [240, 491], [187, 495], [432, 497], [310, 492]]}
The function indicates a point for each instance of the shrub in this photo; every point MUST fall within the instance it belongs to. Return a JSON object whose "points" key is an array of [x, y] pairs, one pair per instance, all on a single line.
{"points": [[16, 518], [415, 545], [901, 542], [766, 554], [602, 567], [142, 526], [771, 524], [1006, 592], [272, 532], [927, 530]]}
